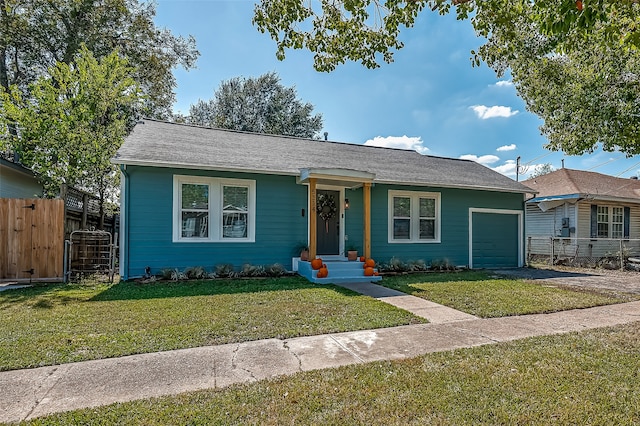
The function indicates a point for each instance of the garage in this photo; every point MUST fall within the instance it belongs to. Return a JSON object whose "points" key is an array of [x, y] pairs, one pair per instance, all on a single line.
{"points": [[495, 238]]}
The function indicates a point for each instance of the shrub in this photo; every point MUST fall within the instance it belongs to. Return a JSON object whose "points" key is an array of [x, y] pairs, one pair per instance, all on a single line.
{"points": [[275, 270], [442, 265], [249, 270], [225, 270], [195, 273]]}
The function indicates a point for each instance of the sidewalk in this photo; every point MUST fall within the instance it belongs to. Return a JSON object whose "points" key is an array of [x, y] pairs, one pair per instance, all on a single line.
{"points": [[40, 391]]}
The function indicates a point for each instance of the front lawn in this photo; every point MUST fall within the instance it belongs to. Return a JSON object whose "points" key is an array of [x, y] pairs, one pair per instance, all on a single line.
{"points": [[75, 322], [576, 379], [487, 295]]}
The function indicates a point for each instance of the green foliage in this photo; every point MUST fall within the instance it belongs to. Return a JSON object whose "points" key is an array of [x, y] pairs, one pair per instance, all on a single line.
{"points": [[195, 273], [36, 33], [261, 105], [275, 270], [540, 170], [576, 69], [74, 121], [225, 270]]}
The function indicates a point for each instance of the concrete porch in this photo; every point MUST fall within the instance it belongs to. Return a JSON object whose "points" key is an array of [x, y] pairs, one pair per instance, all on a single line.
{"points": [[340, 271]]}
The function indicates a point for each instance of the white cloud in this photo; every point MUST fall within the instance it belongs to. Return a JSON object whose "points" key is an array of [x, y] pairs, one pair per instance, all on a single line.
{"points": [[504, 83], [507, 147], [507, 169], [485, 160], [413, 143], [484, 112]]}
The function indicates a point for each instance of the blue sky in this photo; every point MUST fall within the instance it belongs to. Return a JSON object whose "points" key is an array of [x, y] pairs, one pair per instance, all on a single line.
{"points": [[429, 99]]}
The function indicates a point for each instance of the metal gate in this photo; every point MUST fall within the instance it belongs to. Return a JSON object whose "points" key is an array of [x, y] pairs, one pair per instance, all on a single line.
{"points": [[89, 253]]}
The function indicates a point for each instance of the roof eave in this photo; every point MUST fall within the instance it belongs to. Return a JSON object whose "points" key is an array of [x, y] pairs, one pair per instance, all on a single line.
{"points": [[129, 162]]}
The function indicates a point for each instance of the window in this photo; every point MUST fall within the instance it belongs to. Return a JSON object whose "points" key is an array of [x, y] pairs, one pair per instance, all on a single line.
{"points": [[414, 217], [213, 209], [609, 222], [617, 222], [603, 222]]}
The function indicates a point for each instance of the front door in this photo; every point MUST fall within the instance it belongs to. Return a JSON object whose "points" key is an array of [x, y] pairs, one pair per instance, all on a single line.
{"points": [[328, 222]]}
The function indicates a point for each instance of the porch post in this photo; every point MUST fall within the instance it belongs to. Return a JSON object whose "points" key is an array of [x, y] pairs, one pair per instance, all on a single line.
{"points": [[367, 219], [312, 218]]}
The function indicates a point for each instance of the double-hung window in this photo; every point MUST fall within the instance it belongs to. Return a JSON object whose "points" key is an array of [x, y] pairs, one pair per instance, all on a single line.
{"points": [[213, 209], [414, 217], [610, 221]]}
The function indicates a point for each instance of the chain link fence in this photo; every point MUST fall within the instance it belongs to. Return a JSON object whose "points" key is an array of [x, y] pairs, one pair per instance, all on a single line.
{"points": [[622, 254]]}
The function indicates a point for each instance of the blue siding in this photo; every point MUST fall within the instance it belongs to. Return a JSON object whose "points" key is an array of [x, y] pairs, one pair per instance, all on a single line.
{"points": [[455, 204], [354, 220], [279, 223]]}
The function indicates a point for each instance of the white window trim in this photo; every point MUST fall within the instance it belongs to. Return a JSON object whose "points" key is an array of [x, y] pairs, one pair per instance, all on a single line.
{"points": [[415, 217], [215, 208]]}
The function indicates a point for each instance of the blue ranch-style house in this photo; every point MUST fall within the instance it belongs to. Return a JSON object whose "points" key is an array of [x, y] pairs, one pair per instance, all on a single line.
{"points": [[194, 196]]}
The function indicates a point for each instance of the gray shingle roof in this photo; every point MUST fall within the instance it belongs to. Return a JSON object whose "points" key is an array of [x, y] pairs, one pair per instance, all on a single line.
{"points": [[162, 144]]}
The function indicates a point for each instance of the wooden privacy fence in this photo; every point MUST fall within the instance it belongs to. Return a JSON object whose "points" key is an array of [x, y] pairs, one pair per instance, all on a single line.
{"points": [[32, 238]]}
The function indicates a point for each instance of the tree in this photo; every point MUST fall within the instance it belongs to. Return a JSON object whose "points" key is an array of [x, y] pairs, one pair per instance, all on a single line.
{"points": [[541, 169], [261, 105], [74, 121], [37, 34], [568, 58]]}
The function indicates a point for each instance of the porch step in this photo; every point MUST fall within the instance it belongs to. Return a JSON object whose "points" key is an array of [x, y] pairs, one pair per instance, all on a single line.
{"points": [[339, 272]]}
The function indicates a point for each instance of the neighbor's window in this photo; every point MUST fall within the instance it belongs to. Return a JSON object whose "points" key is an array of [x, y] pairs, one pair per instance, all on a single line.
{"points": [[617, 222], [213, 209], [414, 216], [603, 222], [610, 222]]}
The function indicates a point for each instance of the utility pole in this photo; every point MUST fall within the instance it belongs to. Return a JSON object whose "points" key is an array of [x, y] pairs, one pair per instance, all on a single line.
{"points": [[517, 167]]}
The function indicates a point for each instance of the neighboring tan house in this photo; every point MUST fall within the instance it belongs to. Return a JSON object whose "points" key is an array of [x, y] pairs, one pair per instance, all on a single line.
{"points": [[584, 206], [17, 181], [195, 196]]}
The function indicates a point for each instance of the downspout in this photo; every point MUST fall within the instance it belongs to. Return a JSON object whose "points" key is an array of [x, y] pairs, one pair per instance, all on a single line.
{"points": [[524, 246], [124, 223]]}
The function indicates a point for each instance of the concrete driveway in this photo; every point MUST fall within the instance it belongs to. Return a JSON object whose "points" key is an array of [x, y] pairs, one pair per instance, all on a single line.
{"points": [[618, 281]]}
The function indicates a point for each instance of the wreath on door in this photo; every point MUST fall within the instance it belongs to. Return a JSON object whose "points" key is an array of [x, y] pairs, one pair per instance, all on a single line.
{"points": [[327, 208]]}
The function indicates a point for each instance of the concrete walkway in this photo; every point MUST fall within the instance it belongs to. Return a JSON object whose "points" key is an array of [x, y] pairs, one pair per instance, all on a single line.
{"points": [[40, 391], [434, 312]]}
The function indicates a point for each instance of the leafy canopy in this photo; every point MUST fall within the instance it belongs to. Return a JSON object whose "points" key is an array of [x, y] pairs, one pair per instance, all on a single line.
{"points": [[261, 105], [574, 63], [37, 34], [74, 121]]}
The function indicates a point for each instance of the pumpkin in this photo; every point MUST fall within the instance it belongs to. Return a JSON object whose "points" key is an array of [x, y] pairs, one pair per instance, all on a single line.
{"points": [[376, 273], [368, 271], [323, 272], [369, 263], [316, 264], [361, 258]]}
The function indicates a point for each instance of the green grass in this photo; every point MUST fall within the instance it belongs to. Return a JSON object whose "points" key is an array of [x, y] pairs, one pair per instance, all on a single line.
{"points": [[487, 296], [66, 323], [576, 379]]}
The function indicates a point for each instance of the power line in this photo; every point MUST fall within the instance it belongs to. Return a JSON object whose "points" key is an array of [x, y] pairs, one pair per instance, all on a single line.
{"points": [[537, 158], [626, 170], [606, 162]]}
